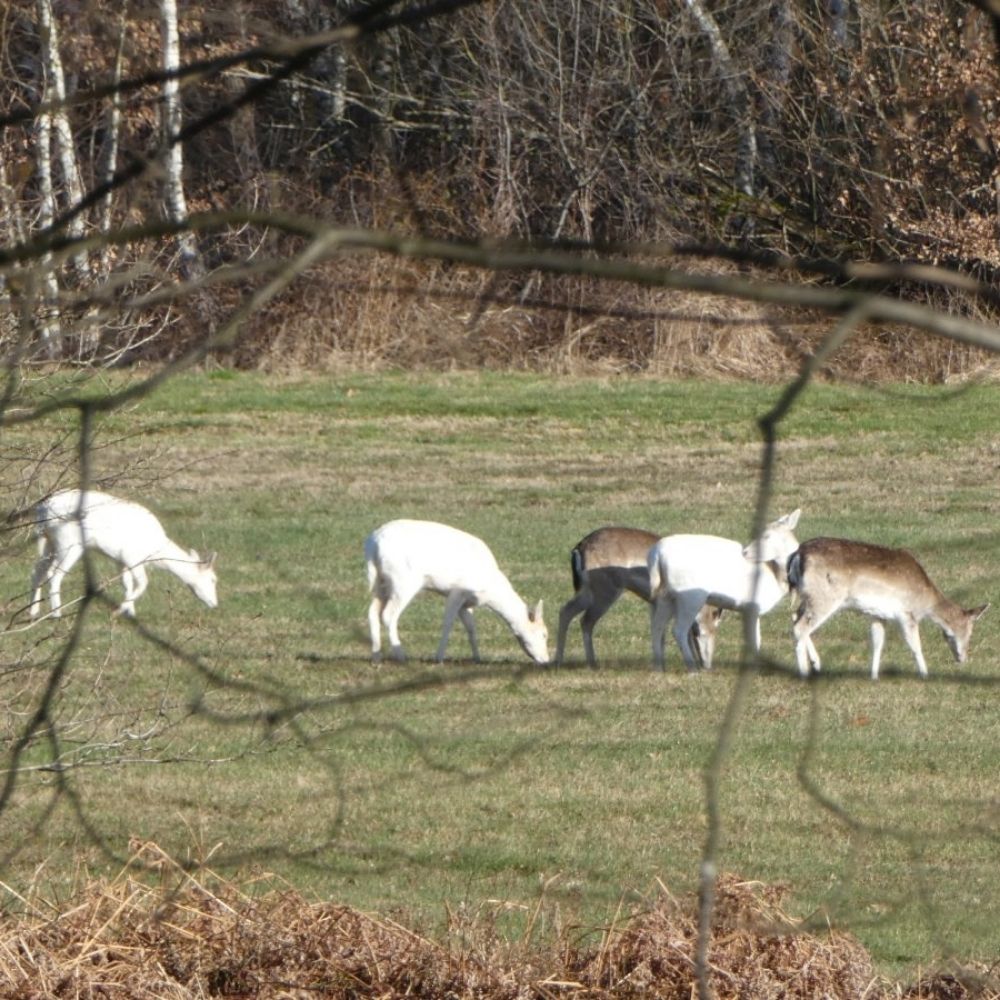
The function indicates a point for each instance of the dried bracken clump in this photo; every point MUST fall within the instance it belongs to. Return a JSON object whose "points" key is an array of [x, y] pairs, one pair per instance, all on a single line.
{"points": [[755, 952], [207, 937]]}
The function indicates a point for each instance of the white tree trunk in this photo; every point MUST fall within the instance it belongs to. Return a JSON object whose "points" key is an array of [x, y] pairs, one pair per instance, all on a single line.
{"points": [[50, 331], [111, 151], [55, 93], [176, 202]]}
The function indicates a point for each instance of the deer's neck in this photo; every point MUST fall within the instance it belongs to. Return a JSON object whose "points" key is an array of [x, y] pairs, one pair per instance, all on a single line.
{"points": [[170, 556]]}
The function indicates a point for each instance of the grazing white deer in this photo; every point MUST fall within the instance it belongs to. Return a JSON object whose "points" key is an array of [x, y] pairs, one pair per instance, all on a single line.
{"points": [[686, 572], [605, 564], [405, 557], [882, 583], [71, 521]]}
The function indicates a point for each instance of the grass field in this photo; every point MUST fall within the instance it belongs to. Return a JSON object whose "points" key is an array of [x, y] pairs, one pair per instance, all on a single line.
{"points": [[263, 737]]}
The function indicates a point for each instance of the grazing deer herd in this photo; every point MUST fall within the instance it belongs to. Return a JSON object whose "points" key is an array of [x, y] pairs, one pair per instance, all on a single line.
{"points": [[690, 579]]}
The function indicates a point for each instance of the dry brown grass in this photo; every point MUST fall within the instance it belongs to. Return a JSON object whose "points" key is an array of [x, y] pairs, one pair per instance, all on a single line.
{"points": [[367, 313], [199, 935]]}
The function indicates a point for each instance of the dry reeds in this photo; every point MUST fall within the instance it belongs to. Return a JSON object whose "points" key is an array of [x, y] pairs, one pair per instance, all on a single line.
{"points": [[204, 936]]}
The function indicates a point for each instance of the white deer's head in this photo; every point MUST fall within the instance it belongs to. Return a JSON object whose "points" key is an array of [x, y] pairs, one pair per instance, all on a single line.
{"points": [[777, 542], [202, 580], [534, 636]]}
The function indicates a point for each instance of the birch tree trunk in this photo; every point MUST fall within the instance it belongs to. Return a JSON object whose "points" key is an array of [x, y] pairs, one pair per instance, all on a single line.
{"points": [[49, 323], [111, 149], [330, 66], [176, 202], [739, 97], [52, 129], [55, 93]]}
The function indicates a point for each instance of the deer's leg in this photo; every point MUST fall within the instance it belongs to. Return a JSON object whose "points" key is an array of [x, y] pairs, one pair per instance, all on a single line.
{"points": [[910, 628], [602, 598], [878, 640], [807, 620], [40, 574], [661, 611], [375, 620], [688, 606], [454, 605], [64, 562], [135, 579], [394, 603], [469, 621], [576, 605]]}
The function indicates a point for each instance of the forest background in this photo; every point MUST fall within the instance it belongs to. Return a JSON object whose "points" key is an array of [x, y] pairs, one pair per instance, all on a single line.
{"points": [[715, 135]]}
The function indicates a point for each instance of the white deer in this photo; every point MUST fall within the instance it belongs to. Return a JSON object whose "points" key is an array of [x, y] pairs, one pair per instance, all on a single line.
{"points": [[686, 572], [71, 521], [830, 574], [605, 564], [405, 557]]}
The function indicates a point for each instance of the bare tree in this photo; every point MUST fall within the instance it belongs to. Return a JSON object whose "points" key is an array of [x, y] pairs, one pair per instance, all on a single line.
{"points": [[54, 95], [54, 132], [50, 327], [739, 97], [173, 181], [114, 127]]}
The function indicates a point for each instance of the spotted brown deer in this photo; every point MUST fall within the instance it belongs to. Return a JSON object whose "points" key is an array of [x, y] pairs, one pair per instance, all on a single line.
{"points": [[831, 574]]}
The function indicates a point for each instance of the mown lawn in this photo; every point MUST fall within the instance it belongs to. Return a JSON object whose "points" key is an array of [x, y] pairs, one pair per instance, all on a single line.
{"points": [[261, 736]]}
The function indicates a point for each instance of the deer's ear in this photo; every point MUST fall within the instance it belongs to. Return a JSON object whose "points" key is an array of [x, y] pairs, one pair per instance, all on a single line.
{"points": [[535, 614], [790, 520], [210, 561]]}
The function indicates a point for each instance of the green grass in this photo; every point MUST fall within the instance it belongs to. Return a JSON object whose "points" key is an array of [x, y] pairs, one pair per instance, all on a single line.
{"points": [[406, 788]]}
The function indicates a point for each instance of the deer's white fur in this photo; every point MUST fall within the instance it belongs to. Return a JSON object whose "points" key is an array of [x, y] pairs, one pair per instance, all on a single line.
{"points": [[884, 584], [71, 521], [405, 557], [605, 564], [686, 572]]}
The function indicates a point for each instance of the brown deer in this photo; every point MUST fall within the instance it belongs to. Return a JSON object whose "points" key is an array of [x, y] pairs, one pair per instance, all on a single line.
{"points": [[605, 564], [882, 583]]}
